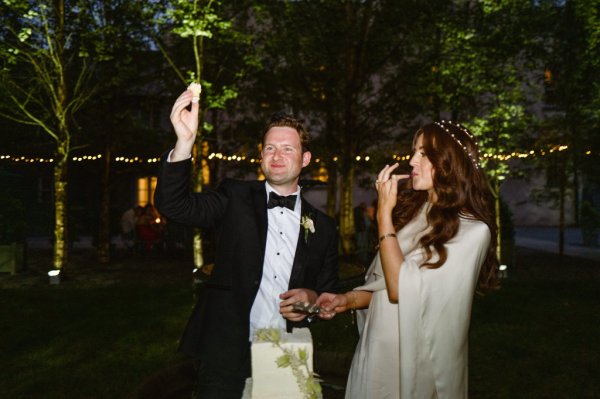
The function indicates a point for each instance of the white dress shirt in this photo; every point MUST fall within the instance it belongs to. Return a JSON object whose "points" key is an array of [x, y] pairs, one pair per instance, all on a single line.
{"points": [[282, 238]]}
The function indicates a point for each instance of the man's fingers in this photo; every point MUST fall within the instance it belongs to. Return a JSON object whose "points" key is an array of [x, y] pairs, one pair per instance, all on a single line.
{"points": [[195, 108], [182, 101]]}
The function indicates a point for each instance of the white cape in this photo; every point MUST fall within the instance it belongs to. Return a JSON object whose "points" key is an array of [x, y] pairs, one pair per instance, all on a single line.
{"points": [[417, 348]]}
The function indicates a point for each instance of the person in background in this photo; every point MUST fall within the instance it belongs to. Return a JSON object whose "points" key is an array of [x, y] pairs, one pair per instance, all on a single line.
{"points": [[128, 222], [273, 248], [149, 227], [437, 246], [362, 227]]}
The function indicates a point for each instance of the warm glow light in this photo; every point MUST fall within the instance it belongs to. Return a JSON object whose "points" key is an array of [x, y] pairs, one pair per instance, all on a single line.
{"points": [[239, 158], [142, 191]]}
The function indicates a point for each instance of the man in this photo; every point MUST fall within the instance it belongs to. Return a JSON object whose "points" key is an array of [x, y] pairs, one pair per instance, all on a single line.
{"points": [[271, 252]]}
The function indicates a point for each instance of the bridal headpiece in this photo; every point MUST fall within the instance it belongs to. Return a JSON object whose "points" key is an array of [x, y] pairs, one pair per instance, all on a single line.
{"points": [[473, 157]]}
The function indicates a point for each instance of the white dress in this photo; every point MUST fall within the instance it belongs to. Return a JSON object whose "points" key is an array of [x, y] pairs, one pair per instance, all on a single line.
{"points": [[417, 348]]}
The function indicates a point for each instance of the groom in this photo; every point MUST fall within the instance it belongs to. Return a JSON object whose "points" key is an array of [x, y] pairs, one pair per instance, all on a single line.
{"points": [[273, 249]]}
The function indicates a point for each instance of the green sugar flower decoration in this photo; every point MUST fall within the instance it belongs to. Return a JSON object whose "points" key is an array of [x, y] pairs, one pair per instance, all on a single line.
{"points": [[298, 360]]}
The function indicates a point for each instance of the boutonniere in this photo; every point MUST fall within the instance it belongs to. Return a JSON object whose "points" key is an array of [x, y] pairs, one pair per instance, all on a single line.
{"points": [[308, 225]]}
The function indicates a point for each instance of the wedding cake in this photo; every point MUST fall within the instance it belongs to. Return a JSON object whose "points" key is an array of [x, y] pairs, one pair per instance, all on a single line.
{"points": [[282, 363]]}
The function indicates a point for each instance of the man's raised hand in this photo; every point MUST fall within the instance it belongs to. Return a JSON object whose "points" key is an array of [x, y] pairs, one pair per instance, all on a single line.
{"points": [[185, 123]]}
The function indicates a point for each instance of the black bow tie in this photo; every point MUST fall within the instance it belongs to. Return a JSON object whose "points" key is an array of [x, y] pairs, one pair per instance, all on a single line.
{"points": [[278, 200]]}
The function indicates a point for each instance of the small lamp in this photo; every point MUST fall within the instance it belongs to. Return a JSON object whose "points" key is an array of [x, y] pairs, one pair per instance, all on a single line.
{"points": [[54, 276], [502, 271], [197, 275]]}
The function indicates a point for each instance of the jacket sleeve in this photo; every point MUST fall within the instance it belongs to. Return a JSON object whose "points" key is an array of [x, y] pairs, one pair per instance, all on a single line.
{"points": [[174, 199]]}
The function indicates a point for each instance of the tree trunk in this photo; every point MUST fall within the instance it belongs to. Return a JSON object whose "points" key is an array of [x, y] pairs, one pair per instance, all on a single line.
{"points": [[103, 250], [576, 204], [346, 211], [60, 250], [496, 193], [63, 144], [199, 159], [561, 206], [197, 182], [332, 187]]}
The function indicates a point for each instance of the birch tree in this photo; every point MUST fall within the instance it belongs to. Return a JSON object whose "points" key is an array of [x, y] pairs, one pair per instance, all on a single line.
{"points": [[44, 82]]}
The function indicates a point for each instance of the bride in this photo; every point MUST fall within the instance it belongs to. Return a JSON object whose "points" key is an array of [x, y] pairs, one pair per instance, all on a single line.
{"points": [[437, 246]]}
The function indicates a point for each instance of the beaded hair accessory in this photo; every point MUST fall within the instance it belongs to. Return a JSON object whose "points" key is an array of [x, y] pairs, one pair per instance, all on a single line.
{"points": [[460, 143]]}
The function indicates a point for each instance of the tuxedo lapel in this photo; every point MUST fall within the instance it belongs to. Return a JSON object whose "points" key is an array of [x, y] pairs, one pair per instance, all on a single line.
{"points": [[260, 212], [302, 247]]}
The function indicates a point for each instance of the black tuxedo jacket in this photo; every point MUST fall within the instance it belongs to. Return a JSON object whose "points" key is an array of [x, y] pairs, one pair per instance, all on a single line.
{"points": [[237, 210]]}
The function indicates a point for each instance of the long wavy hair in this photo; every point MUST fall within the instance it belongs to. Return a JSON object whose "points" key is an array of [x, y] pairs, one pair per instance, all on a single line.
{"points": [[462, 190]]}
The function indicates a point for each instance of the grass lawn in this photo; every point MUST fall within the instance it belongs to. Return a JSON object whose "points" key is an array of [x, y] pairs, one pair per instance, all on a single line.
{"points": [[105, 331], [538, 337], [537, 340], [87, 342]]}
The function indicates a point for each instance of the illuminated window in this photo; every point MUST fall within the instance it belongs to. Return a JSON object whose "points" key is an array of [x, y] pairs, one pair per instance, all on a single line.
{"points": [[321, 174], [547, 76], [145, 190]]}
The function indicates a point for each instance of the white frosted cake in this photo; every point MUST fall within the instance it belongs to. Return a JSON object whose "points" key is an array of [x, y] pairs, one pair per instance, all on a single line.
{"points": [[269, 381]]}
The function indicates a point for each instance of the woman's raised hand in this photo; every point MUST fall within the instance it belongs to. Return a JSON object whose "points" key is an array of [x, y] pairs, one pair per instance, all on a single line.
{"points": [[387, 189]]}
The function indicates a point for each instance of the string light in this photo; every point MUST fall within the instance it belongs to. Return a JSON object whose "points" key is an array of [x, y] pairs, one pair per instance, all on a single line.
{"points": [[401, 157], [243, 158]]}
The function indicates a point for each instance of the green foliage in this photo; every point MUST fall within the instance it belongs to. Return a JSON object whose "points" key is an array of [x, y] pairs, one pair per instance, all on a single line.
{"points": [[211, 37], [125, 84], [218, 100], [572, 90], [44, 83], [500, 132], [297, 361], [195, 19], [481, 74], [42, 80]]}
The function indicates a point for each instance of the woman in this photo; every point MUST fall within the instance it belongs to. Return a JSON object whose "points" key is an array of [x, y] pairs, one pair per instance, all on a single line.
{"points": [[437, 246]]}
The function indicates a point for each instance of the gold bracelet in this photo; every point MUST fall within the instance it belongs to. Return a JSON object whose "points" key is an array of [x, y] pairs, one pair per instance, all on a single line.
{"points": [[353, 307], [383, 237], [353, 304]]}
